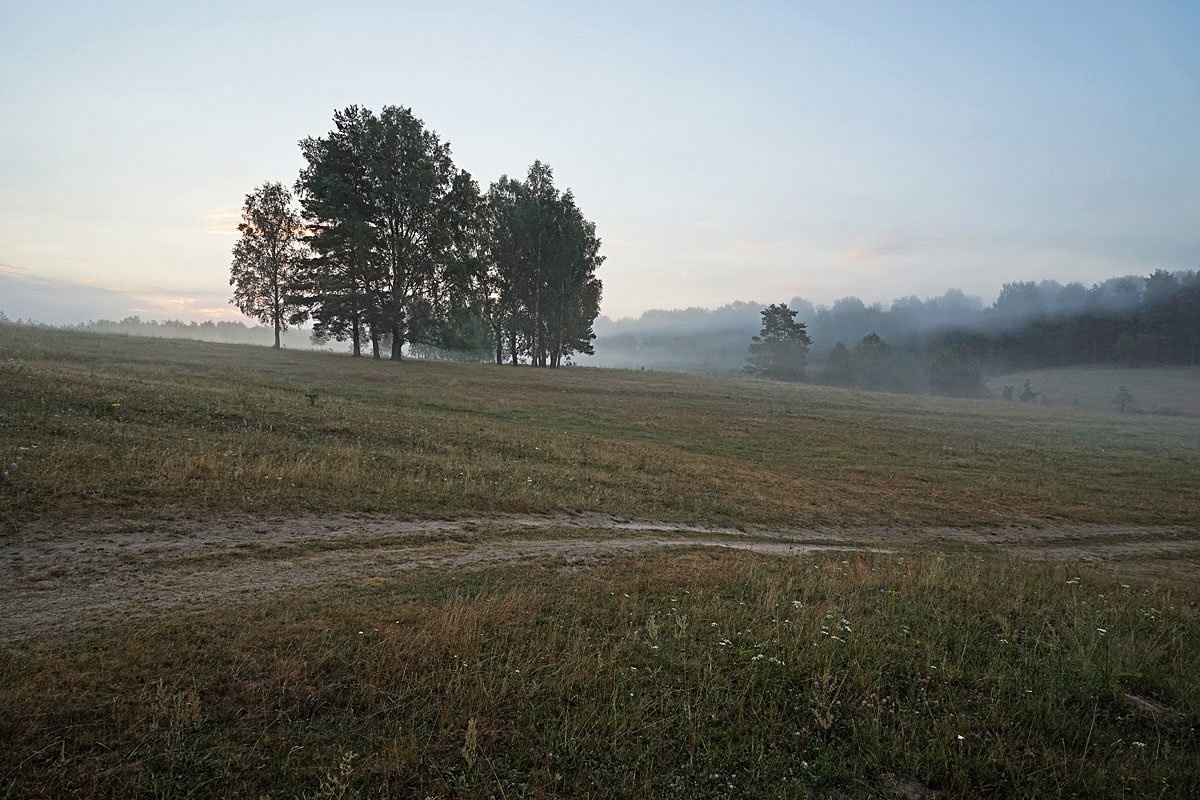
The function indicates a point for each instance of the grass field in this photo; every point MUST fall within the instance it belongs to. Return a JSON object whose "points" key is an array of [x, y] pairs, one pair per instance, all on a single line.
{"points": [[1156, 390], [230, 572], [118, 425]]}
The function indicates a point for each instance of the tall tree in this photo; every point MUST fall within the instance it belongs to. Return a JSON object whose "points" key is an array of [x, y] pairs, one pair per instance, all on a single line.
{"points": [[780, 351], [424, 209], [543, 295], [394, 223], [506, 254], [267, 258], [343, 278]]}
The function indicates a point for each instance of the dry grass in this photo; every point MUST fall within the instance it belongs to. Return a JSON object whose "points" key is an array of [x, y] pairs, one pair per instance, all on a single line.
{"points": [[1156, 390], [713, 674], [702, 675], [106, 425]]}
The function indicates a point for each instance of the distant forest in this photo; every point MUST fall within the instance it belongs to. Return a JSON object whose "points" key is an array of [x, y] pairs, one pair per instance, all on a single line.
{"points": [[1131, 320]]}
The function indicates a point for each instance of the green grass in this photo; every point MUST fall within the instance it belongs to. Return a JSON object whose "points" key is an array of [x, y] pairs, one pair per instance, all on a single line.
{"points": [[108, 425], [708, 675], [1156, 390]]}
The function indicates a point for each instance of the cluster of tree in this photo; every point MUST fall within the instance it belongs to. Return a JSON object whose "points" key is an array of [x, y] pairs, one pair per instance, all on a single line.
{"points": [[1132, 321], [394, 246], [781, 350]]}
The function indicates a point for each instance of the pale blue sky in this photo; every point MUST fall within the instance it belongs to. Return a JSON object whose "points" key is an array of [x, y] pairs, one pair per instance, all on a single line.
{"points": [[725, 150]]}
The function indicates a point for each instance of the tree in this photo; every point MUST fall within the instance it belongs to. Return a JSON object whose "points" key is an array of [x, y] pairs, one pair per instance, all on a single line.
{"points": [[1123, 401], [955, 373], [839, 366], [394, 223], [780, 351], [343, 281], [542, 291], [267, 258], [874, 369], [424, 209]]}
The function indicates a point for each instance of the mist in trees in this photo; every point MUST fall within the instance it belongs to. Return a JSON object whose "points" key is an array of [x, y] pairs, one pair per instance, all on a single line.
{"points": [[1129, 320], [401, 250]]}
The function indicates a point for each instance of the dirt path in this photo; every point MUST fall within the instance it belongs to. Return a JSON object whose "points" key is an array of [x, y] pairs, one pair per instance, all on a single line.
{"points": [[54, 579]]}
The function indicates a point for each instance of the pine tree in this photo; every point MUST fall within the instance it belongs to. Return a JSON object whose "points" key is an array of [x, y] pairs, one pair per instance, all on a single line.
{"points": [[780, 351]]}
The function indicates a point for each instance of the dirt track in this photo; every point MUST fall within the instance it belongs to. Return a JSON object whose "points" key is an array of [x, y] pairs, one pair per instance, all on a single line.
{"points": [[54, 579]]}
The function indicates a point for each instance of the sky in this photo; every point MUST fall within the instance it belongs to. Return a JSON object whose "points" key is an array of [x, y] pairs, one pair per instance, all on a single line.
{"points": [[725, 151]]}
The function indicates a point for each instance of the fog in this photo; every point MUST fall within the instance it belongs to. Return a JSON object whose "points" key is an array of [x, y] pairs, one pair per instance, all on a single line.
{"points": [[715, 340]]}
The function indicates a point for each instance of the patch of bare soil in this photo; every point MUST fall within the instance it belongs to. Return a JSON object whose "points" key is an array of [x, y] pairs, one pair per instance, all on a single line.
{"points": [[55, 578]]}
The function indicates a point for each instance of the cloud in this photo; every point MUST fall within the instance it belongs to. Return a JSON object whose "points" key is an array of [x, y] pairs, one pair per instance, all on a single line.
{"points": [[878, 246], [613, 241], [872, 247], [61, 301], [223, 221], [760, 244]]}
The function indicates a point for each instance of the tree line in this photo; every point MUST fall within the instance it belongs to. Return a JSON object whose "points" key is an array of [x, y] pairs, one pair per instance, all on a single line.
{"points": [[387, 244], [1128, 320], [1131, 321]]}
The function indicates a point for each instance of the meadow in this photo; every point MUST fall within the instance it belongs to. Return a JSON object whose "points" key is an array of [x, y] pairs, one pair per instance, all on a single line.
{"points": [[111, 425], [1169, 391], [330, 578]]}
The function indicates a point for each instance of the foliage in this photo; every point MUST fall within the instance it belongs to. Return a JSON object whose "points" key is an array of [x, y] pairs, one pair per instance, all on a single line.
{"points": [[1031, 325], [839, 367], [542, 294], [1159, 390], [955, 373], [407, 253], [393, 225], [1123, 401], [780, 350], [267, 258]]}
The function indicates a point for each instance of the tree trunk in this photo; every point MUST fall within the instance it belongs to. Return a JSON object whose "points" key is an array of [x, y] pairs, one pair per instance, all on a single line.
{"points": [[374, 344], [397, 343], [356, 336], [512, 338], [277, 333]]}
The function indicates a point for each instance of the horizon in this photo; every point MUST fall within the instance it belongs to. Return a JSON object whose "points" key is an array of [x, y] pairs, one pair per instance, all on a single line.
{"points": [[9, 275]]}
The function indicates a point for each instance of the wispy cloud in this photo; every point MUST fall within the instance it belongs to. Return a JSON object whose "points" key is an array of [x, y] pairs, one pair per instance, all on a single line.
{"points": [[878, 246], [760, 244], [614, 241], [74, 300], [223, 221]]}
